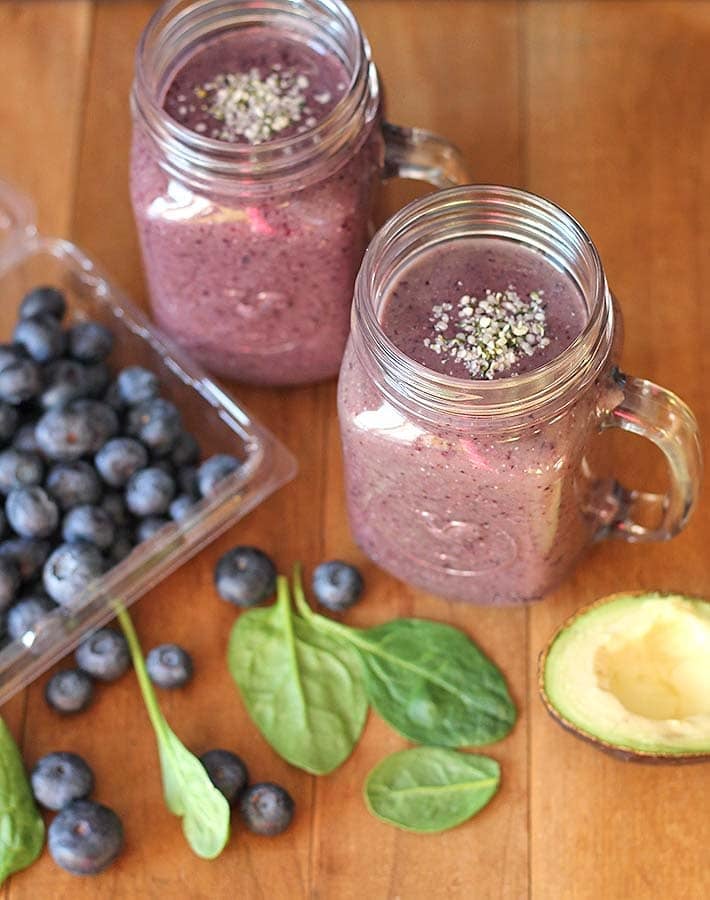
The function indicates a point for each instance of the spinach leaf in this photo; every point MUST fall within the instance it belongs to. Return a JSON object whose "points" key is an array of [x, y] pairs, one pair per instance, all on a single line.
{"points": [[428, 680], [189, 793], [303, 688], [21, 826], [429, 789]]}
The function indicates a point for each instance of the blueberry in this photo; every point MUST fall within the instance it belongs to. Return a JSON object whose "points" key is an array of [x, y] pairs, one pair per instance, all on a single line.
{"points": [[90, 342], [41, 336], [112, 398], [65, 434], [3, 523], [58, 778], [149, 527], [245, 576], [28, 555], [9, 420], [186, 451], [227, 773], [43, 301], [77, 429], [122, 545], [11, 353], [85, 837], [64, 380], [25, 439], [337, 585], [169, 666], [69, 691], [165, 466], [73, 484], [181, 507], [266, 808], [103, 419], [26, 613], [187, 481], [20, 381], [103, 655], [156, 423], [91, 524], [31, 512], [136, 385], [149, 492], [119, 458], [98, 378], [214, 470], [115, 506], [9, 582], [18, 468], [70, 569]]}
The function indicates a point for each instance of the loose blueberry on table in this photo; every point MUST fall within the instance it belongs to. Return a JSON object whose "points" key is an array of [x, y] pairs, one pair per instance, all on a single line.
{"points": [[69, 691], [337, 585], [103, 655], [245, 576], [169, 666], [59, 778], [266, 809], [227, 772], [85, 837]]}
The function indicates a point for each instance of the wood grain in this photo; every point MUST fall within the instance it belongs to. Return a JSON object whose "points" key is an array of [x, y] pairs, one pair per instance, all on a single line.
{"points": [[41, 107], [373, 860], [618, 141], [602, 106]]}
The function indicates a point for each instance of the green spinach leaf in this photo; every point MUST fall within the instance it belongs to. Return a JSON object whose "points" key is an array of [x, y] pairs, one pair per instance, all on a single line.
{"points": [[429, 789], [21, 826], [303, 688], [189, 793], [428, 680]]}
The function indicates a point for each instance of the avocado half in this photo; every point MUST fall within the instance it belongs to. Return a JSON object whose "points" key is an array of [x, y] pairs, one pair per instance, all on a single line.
{"points": [[631, 674]]}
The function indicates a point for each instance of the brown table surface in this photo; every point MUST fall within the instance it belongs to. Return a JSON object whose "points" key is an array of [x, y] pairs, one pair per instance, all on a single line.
{"points": [[605, 108]]}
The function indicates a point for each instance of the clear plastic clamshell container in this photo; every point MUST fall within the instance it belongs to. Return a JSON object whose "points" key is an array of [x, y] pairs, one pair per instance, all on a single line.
{"points": [[222, 426]]}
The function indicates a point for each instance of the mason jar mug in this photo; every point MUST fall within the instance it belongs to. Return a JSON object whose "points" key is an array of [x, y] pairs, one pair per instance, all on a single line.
{"points": [[252, 230], [487, 490]]}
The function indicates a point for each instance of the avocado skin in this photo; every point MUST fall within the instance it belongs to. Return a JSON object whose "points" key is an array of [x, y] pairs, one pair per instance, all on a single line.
{"points": [[624, 754]]}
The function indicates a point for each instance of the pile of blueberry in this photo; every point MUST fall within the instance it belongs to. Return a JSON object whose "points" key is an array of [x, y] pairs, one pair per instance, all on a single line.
{"points": [[92, 462], [85, 837]]}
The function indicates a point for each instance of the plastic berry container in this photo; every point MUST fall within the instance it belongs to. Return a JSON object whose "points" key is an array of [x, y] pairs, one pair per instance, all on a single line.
{"points": [[28, 259]]}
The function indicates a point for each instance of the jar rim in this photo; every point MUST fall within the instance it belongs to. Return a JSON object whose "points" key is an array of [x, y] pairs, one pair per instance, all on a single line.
{"points": [[543, 390], [295, 156]]}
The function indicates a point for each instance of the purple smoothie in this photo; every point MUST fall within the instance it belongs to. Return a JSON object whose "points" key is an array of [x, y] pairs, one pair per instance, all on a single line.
{"points": [[256, 288], [475, 512], [471, 268], [315, 82]]}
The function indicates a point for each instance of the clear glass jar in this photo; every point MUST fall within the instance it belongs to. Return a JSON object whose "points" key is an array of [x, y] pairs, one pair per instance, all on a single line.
{"points": [[251, 252], [485, 491]]}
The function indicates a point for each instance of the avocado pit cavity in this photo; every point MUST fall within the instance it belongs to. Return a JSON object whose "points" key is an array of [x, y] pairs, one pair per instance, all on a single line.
{"points": [[663, 673]]}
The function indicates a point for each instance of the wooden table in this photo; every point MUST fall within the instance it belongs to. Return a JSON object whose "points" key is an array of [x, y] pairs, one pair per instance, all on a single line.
{"points": [[601, 106]]}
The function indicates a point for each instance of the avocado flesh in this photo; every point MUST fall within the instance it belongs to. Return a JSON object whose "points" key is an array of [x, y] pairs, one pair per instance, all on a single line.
{"points": [[633, 672]]}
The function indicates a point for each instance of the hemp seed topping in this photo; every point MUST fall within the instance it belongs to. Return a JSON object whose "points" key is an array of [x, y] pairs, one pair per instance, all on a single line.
{"points": [[253, 108], [490, 335]]}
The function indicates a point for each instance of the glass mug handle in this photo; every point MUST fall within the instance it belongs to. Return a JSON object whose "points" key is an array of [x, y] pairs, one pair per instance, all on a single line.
{"points": [[423, 156], [657, 414]]}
